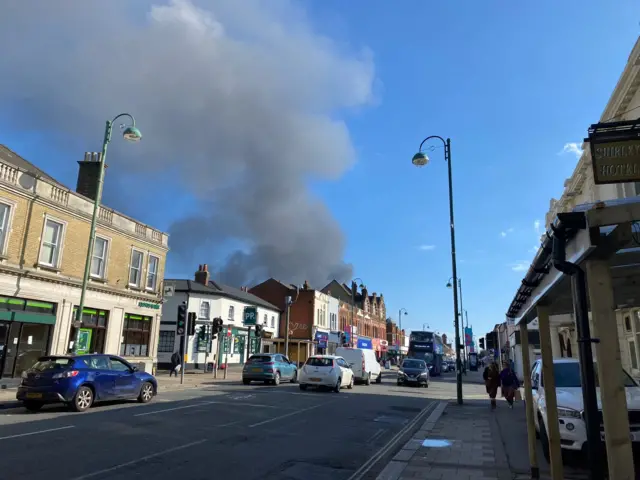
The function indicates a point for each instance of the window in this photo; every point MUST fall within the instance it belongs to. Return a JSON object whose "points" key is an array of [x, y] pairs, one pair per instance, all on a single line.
{"points": [[632, 354], [135, 335], [232, 312], [99, 258], [273, 321], [266, 320], [166, 341], [204, 310], [152, 273], [50, 249], [135, 269], [119, 366], [93, 331], [4, 224]]}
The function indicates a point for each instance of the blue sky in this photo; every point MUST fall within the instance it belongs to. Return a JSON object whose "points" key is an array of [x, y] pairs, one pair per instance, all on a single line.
{"points": [[511, 83]]}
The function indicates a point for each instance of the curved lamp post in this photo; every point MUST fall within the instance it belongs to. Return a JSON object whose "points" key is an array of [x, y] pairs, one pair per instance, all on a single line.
{"points": [[421, 159], [132, 134], [353, 306], [400, 312], [462, 325]]}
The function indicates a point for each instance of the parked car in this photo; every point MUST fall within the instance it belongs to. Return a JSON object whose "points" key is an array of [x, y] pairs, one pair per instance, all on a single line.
{"points": [[80, 381], [413, 372], [326, 371], [269, 368], [363, 363], [573, 430]]}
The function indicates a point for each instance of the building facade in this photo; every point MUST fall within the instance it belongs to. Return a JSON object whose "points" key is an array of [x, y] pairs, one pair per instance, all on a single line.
{"points": [[44, 234], [209, 300]]}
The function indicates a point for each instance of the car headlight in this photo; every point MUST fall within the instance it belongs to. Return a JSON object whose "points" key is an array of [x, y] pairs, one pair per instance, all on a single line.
{"points": [[568, 412], [400, 373], [424, 374]]}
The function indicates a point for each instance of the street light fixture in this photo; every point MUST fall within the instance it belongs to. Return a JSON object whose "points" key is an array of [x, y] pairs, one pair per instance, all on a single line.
{"points": [[400, 312], [132, 134], [421, 159], [353, 305]]}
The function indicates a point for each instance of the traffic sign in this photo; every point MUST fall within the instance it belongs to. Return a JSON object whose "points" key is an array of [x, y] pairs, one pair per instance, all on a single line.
{"points": [[250, 316]]}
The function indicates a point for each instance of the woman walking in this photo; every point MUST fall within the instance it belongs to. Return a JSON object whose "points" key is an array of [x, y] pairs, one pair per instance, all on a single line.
{"points": [[491, 377], [509, 382]]}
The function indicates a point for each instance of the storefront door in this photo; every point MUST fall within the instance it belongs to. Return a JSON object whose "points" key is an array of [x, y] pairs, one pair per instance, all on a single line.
{"points": [[26, 342], [4, 336]]}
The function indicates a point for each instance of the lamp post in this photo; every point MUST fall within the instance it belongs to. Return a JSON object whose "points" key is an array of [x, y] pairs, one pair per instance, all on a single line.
{"points": [[132, 134], [353, 305], [420, 159], [423, 327], [401, 342], [464, 336]]}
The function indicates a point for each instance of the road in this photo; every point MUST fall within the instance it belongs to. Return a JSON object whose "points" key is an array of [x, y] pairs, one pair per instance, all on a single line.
{"points": [[242, 432]]}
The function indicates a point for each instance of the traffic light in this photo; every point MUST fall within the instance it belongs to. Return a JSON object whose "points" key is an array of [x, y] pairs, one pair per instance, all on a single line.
{"points": [[202, 333], [481, 342], [182, 319], [259, 330], [343, 338], [191, 324]]}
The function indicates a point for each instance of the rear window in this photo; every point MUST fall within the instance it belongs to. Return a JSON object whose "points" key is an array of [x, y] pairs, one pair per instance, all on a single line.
{"points": [[320, 362], [260, 359], [45, 364]]}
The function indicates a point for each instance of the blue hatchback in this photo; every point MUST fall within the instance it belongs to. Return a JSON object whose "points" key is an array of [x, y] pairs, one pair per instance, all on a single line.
{"points": [[80, 381]]}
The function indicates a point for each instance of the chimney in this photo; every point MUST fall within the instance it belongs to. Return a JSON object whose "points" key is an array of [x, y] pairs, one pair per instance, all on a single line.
{"points": [[88, 174], [306, 285], [202, 275]]}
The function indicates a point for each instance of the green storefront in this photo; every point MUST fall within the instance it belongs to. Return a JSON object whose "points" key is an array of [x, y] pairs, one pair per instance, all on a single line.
{"points": [[26, 329], [236, 344]]}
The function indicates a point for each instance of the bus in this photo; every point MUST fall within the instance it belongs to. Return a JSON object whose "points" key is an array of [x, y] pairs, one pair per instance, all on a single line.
{"points": [[427, 346]]}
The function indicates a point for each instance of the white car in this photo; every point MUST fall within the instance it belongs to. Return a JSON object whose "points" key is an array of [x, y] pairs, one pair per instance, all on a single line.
{"points": [[326, 371], [573, 430]]}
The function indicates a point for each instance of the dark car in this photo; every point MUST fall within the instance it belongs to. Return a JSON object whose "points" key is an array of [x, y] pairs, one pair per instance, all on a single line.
{"points": [[413, 372], [80, 381], [269, 368]]}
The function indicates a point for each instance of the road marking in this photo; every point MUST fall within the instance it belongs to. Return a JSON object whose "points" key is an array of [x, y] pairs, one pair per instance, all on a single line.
{"points": [[286, 415], [366, 466], [138, 460], [201, 404], [375, 436], [36, 433], [173, 409]]}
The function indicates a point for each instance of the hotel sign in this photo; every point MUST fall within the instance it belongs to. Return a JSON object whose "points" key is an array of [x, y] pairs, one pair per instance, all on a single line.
{"points": [[615, 152]]}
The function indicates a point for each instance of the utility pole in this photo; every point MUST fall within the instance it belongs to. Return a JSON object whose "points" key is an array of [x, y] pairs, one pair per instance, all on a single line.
{"points": [[288, 302]]}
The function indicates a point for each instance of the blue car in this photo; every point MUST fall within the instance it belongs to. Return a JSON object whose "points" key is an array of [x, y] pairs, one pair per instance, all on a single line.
{"points": [[269, 368], [80, 381]]}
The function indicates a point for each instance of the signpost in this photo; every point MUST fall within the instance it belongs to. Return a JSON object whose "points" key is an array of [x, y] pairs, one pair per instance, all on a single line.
{"points": [[250, 316], [615, 151]]}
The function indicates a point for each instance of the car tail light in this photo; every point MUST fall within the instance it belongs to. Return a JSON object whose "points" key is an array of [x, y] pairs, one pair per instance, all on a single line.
{"points": [[67, 374]]}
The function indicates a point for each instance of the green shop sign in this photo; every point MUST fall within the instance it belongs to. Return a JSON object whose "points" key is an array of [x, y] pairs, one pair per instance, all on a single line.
{"points": [[154, 306]]}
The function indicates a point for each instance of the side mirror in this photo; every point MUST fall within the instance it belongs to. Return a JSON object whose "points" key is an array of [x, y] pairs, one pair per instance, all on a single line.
{"points": [[134, 369]]}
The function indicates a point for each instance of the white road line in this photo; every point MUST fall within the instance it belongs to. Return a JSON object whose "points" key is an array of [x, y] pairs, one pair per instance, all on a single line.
{"points": [[366, 466], [231, 404], [375, 436], [138, 460], [36, 433], [287, 415], [173, 409]]}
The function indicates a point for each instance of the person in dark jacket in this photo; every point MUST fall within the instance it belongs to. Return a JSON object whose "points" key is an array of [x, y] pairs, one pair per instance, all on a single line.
{"points": [[175, 364], [509, 382], [491, 376]]}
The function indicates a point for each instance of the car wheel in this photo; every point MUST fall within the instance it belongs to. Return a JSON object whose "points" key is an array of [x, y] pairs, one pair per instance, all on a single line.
{"points": [[399, 384], [368, 379], [303, 387], [276, 379], [379, 378], [33, 406], [426, 385], [294, 379], [338, 385], [82, 400], [146, 393], [246, 382], [350, 383]]}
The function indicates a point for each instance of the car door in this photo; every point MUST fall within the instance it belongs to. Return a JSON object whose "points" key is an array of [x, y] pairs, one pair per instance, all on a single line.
{"points": [[288, 366], [104, 379], [347, 373], [126, 381]]}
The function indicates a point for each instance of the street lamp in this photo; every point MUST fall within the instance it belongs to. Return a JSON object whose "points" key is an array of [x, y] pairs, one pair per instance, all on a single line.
{"points": [[353, 305], [464, 337], [132, 134], [421, 159], [401, 343]]}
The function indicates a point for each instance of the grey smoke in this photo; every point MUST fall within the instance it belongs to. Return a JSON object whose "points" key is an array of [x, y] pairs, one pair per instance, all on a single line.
{"points": [[237, 100]]}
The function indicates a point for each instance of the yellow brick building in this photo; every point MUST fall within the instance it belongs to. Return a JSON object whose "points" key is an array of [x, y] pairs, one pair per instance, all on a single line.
{"points": [[44, 233]]}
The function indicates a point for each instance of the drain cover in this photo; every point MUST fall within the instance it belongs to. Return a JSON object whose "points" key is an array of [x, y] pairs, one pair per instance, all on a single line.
{"points": [[406, 409]]}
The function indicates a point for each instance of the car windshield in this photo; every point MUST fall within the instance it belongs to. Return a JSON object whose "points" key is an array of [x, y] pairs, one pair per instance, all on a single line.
{"points": [[568, 376], [260, 359], [45, 364], [320, 362], [414, 364]]}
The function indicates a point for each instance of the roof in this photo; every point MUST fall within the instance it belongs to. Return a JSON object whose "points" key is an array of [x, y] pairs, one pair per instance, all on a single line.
{"points": [[220, 289], [9, 156]]}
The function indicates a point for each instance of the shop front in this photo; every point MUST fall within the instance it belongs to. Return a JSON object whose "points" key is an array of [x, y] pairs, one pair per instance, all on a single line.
{"points": [[92, 331], [26, 328]]}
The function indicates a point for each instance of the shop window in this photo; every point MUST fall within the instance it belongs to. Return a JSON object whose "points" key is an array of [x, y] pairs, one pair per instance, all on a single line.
{"points": [[92, 332], [51, 243], [166, 341], [99, 258], [135, 335], [135, 268], [152, 272], [14, 304]]}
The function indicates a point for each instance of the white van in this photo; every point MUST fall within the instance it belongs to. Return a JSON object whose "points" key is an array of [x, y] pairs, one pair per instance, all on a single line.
{"points": [[363, 363]]}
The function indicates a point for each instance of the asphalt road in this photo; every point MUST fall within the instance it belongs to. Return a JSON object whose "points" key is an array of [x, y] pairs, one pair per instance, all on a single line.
{"points": [[231, 431]]}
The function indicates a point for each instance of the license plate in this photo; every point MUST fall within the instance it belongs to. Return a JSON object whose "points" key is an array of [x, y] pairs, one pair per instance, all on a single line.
{"points": [[256, 370], [314, 379], [34, 395]]}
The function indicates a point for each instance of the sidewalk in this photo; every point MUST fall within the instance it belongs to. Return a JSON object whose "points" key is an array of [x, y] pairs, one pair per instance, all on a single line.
{"points": [[470, 442]]}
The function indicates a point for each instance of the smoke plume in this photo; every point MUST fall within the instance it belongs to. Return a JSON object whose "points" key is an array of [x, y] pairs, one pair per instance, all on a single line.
{"points": [[238, 102]]}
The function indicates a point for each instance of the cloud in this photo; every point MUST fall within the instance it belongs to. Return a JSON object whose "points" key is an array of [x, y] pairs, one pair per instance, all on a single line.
{"points": [[521, 266], [506, 232], [239, 104], [426, 247], [572, 148], [536, 227]]}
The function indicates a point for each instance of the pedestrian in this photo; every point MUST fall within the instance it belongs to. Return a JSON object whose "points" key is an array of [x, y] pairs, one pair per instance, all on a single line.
{"points": [[509, 382], [491, 376], [175, 364]]}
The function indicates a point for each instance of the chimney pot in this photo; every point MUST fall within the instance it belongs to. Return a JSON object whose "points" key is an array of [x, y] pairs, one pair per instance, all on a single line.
{"points": [[202, 275], [205, 268]]}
